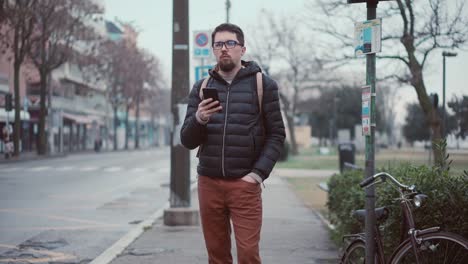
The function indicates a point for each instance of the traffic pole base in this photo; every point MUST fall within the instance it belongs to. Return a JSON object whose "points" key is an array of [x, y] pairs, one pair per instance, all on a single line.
{"points": [[181, 216]]}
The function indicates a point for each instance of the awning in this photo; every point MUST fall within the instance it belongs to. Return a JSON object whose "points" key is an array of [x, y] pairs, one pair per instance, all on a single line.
{"points": [[24, 116], [83, 119], [77, 118]]}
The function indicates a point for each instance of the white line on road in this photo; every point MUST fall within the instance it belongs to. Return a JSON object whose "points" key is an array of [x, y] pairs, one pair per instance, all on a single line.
{"points": [[118, 247], [43, 168], [112, 169], [138, 169], [65, 168], [88, 169], [11, 169]]}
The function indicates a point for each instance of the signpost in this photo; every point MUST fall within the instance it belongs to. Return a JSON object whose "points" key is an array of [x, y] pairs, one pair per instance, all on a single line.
{"points": [[201, 45], [368, 36], [202, 51]]}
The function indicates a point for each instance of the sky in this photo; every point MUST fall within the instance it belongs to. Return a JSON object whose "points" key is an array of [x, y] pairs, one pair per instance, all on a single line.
{"points": [[154, 19]]}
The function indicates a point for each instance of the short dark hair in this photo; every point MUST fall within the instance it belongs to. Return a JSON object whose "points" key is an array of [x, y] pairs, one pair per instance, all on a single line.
{"points": [[230, 28]]}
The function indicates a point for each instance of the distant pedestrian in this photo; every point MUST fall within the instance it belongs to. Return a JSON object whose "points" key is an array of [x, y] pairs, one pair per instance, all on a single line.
{"points": [[8, 151], [240, 138]]}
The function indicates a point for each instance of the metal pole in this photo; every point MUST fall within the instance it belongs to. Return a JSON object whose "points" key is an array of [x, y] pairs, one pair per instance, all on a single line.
{"points": [[370, 147], [443, 97], [180, 156], [228, 7]]}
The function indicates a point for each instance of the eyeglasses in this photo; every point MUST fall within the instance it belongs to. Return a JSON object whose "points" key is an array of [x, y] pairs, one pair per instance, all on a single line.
{"points": [[230, 44]]}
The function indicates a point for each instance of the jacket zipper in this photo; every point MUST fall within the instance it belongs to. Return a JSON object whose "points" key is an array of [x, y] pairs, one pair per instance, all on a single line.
{"points": [[224, 131]]}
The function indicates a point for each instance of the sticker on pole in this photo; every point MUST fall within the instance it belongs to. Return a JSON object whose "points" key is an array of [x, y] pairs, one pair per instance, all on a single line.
{"points": [[201, 47], [368, 37], [366, 110]]}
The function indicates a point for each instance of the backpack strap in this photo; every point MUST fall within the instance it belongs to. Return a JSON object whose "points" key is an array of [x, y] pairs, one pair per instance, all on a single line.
{"points": [[203, 86], [260, 90]]}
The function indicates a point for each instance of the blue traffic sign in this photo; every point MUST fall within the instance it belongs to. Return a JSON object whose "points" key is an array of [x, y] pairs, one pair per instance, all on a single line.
{"points": [[201, 44], [201, 39], [202, 72]]}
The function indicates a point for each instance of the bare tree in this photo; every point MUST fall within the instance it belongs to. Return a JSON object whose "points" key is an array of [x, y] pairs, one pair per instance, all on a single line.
{"points": [[109, 66], [150, 75], [16, 28], [298, 67], [414, 30], [61, 31]]}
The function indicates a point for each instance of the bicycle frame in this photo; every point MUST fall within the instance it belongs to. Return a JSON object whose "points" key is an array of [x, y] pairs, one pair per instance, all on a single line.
{"points": [[411, 230]]}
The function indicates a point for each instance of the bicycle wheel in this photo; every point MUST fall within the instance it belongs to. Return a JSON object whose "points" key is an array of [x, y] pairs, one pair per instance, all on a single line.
{"points": [[440, 247], [354, 253]]}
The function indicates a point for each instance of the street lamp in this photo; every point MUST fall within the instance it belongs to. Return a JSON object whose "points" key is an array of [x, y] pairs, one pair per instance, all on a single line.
{"points": [[445, 54]]}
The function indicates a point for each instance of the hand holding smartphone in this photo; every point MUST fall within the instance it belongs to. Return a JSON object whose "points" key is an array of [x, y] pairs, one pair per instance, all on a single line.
{"points": [[212, 93]]}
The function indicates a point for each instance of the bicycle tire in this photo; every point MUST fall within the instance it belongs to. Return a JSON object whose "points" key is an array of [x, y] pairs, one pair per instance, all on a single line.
{"points": [[355, 253], [438, 247]]}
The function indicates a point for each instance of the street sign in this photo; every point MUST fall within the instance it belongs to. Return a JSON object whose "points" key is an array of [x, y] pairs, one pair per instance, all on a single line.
{"points": [[202, 46], [202, 72], [368, 37]]}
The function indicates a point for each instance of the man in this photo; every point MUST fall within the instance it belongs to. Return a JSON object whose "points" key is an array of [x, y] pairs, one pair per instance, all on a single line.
{"points": [[239, 143]]}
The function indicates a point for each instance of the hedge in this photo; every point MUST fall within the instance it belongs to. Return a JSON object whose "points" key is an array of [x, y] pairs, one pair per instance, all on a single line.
{"points": [[446, 207]]}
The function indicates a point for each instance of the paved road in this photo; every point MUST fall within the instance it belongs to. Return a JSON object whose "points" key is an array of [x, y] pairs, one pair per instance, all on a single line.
{"points": [[71, 209]]}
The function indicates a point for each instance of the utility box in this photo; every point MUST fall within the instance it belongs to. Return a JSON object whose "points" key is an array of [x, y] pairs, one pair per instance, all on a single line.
{"points": [[346, 153]]}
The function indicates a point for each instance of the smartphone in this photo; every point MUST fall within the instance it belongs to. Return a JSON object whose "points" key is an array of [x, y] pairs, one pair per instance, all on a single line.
{"points": [[210, 93]]}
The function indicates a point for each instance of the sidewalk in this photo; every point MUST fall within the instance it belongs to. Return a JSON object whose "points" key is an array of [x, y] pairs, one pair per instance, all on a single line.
{"points": [[291, 233]]}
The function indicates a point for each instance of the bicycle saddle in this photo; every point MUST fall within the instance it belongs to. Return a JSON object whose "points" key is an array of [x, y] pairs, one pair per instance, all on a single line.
{"points": [[381, 214]]}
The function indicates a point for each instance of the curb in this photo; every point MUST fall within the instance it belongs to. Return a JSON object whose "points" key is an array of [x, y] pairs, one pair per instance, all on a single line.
{"points": [[118, 247]]}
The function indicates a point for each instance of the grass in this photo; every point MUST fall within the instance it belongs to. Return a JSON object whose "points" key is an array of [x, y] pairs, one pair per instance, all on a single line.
{"points": [[310, 159], [307, 189]]}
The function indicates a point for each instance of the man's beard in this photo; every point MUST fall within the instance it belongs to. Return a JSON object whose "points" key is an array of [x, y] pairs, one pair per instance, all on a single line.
{"points": [[226, 65]]}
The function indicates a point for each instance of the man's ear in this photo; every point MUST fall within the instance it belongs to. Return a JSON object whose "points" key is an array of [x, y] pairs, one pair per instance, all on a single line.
{"points": [[243, 50]]}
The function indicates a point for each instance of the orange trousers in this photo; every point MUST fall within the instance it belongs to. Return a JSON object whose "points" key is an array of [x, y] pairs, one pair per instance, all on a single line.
{"points": [[236, 200]]}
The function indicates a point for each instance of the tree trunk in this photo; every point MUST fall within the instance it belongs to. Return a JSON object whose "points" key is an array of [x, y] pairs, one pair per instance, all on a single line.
{"points": [[137, 123], [290, 120], [126, 127], [17, 123], [424, 101], [434, 120], [42, 147], [115, 127]]}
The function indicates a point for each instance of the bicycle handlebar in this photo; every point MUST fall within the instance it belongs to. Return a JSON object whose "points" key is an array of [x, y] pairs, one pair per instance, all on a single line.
{"points": [[368, 181]]}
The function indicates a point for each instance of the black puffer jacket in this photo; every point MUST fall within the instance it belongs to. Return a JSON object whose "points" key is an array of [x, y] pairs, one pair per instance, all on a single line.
{"points": [[238, 140]]}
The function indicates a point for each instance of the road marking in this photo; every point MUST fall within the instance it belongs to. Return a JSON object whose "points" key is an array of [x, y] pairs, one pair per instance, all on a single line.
{"points": [[88, 169], [112, 169], [65, 168], [62, 228], [43, 168], [138, 169], [11, 169], [50, 256], [56, 217]]}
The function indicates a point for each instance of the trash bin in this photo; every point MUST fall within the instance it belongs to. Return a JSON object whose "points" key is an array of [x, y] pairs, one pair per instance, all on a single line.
{"points": [[346, 153]]}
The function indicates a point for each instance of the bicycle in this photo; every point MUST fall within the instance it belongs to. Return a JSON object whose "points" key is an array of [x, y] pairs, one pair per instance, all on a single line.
{"points": [[430, 245]]}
